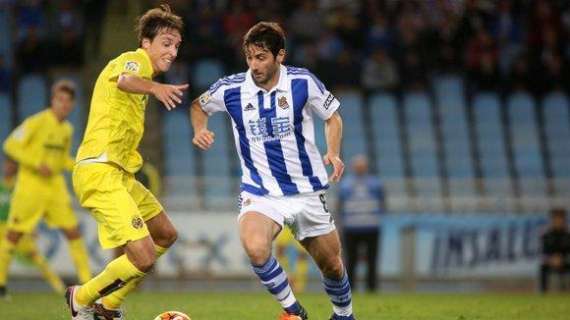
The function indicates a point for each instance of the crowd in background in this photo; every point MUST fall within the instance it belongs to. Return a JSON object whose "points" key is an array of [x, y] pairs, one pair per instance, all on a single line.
{"points": [[391, 45]]}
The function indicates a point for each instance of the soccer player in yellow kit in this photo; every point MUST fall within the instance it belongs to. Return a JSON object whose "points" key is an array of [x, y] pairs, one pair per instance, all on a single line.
{"points": [[299, 269], [26, 247], [127, 214], [41, 146]]}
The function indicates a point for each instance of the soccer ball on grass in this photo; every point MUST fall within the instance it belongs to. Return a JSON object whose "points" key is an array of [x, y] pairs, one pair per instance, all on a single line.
{"points": [[172, 315]]}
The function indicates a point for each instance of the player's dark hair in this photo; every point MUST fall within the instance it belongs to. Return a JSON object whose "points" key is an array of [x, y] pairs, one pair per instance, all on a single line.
{"points": [[65, 86], [149, 24], [267, 35]]}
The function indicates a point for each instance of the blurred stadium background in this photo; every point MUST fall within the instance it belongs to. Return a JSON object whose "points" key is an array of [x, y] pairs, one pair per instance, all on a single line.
{"points": [[461, 106]]}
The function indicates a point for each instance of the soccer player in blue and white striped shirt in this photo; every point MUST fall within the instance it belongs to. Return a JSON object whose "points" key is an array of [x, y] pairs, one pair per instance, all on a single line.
{"points": [[272, 108]]}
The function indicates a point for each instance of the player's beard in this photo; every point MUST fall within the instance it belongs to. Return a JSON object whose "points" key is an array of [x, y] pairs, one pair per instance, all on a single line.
{"points": [[268, 76]]}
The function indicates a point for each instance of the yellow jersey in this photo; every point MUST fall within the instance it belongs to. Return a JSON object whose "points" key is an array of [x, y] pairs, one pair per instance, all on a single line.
{"points": [[116, 118], [41, 139]]}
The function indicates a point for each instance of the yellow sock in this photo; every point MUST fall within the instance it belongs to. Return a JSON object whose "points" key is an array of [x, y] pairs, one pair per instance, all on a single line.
{"points": [[114, 300], [6, 252], [78, 253], [301, 271], [117, 273], [51, 277]]}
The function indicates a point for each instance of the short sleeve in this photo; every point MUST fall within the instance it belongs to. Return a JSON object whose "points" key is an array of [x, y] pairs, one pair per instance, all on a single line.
{"points": [[322, 101], [134, 63], [212, 100]]}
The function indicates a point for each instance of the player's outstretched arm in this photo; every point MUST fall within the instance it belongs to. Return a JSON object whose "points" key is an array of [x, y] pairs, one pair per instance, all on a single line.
{"points": [[169, 94], [203, 138], [333, 133]]}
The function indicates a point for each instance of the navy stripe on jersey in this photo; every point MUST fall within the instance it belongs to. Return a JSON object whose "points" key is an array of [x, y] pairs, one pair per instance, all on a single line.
{"points": [[305, 72], [273, 149], [232, 99], [233, 79], [300, 95]]}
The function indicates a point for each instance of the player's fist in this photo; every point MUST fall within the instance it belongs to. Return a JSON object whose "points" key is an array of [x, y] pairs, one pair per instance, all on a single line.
{"points": [[338, 166], [169, 94], [203, 139]]}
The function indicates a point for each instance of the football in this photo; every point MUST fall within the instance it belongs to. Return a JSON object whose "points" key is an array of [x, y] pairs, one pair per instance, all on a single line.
{"points": [[172, 315]]}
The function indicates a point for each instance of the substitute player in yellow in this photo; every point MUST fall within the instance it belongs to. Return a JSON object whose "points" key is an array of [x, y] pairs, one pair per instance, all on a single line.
{"points": [[26, 248], [127, 214], [41, 147], [298, 268]]}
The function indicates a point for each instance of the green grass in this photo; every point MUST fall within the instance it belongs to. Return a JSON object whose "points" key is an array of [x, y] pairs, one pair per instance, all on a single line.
{"points": [[258, 306]]}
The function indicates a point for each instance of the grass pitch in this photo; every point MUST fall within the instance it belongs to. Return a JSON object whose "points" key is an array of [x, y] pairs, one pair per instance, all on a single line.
{"points": [[261, 306]]}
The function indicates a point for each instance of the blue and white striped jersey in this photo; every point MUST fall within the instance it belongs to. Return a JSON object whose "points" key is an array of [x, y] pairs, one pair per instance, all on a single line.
{"points": [[274, 131]]}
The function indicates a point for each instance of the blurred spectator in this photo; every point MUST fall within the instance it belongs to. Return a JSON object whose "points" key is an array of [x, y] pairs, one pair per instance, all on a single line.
{"points": [[380, 35], [361, 202], [554, 76], [484, 38], [379, 72], [236, 21], [482, 55], [30, 53], [413, 72], [29, 15], [555, 249], [344, 73], [306, 23], [519, 74]]}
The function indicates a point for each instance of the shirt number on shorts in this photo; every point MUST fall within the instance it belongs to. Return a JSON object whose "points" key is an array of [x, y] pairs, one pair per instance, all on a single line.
{"points": [[324, 202]]}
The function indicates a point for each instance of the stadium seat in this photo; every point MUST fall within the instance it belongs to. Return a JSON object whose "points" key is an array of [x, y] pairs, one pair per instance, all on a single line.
{"points": [[179, 164], [557, 129], [423, 150], [526, 149], [219, 186], [32, 95], [353, 134], [386, 132], [456, 141], [205, 72], [491, 146]]}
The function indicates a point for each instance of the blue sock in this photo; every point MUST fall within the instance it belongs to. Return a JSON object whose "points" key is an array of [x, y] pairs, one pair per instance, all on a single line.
{"points": [[341, 296], [275, 280]]}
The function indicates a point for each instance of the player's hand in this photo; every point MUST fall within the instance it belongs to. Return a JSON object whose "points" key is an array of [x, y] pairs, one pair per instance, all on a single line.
{"points": [[169, 94], [338, 166], [203, 139], [44, 171]]}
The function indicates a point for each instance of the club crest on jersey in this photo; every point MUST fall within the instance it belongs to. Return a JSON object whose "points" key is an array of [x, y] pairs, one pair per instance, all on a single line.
{"points": [[282, 103], [249, 107], [137, 222], [132, 66]]}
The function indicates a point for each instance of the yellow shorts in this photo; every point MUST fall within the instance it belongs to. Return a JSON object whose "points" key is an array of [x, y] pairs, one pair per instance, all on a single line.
{"points": [[27, 243], [286, 238], [26, 210], [118, 202]]}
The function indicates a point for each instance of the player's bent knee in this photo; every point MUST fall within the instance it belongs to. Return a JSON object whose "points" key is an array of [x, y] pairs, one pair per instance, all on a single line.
{"points": [[257, 252], [143, 262], [333, 268], [72, 233]]}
